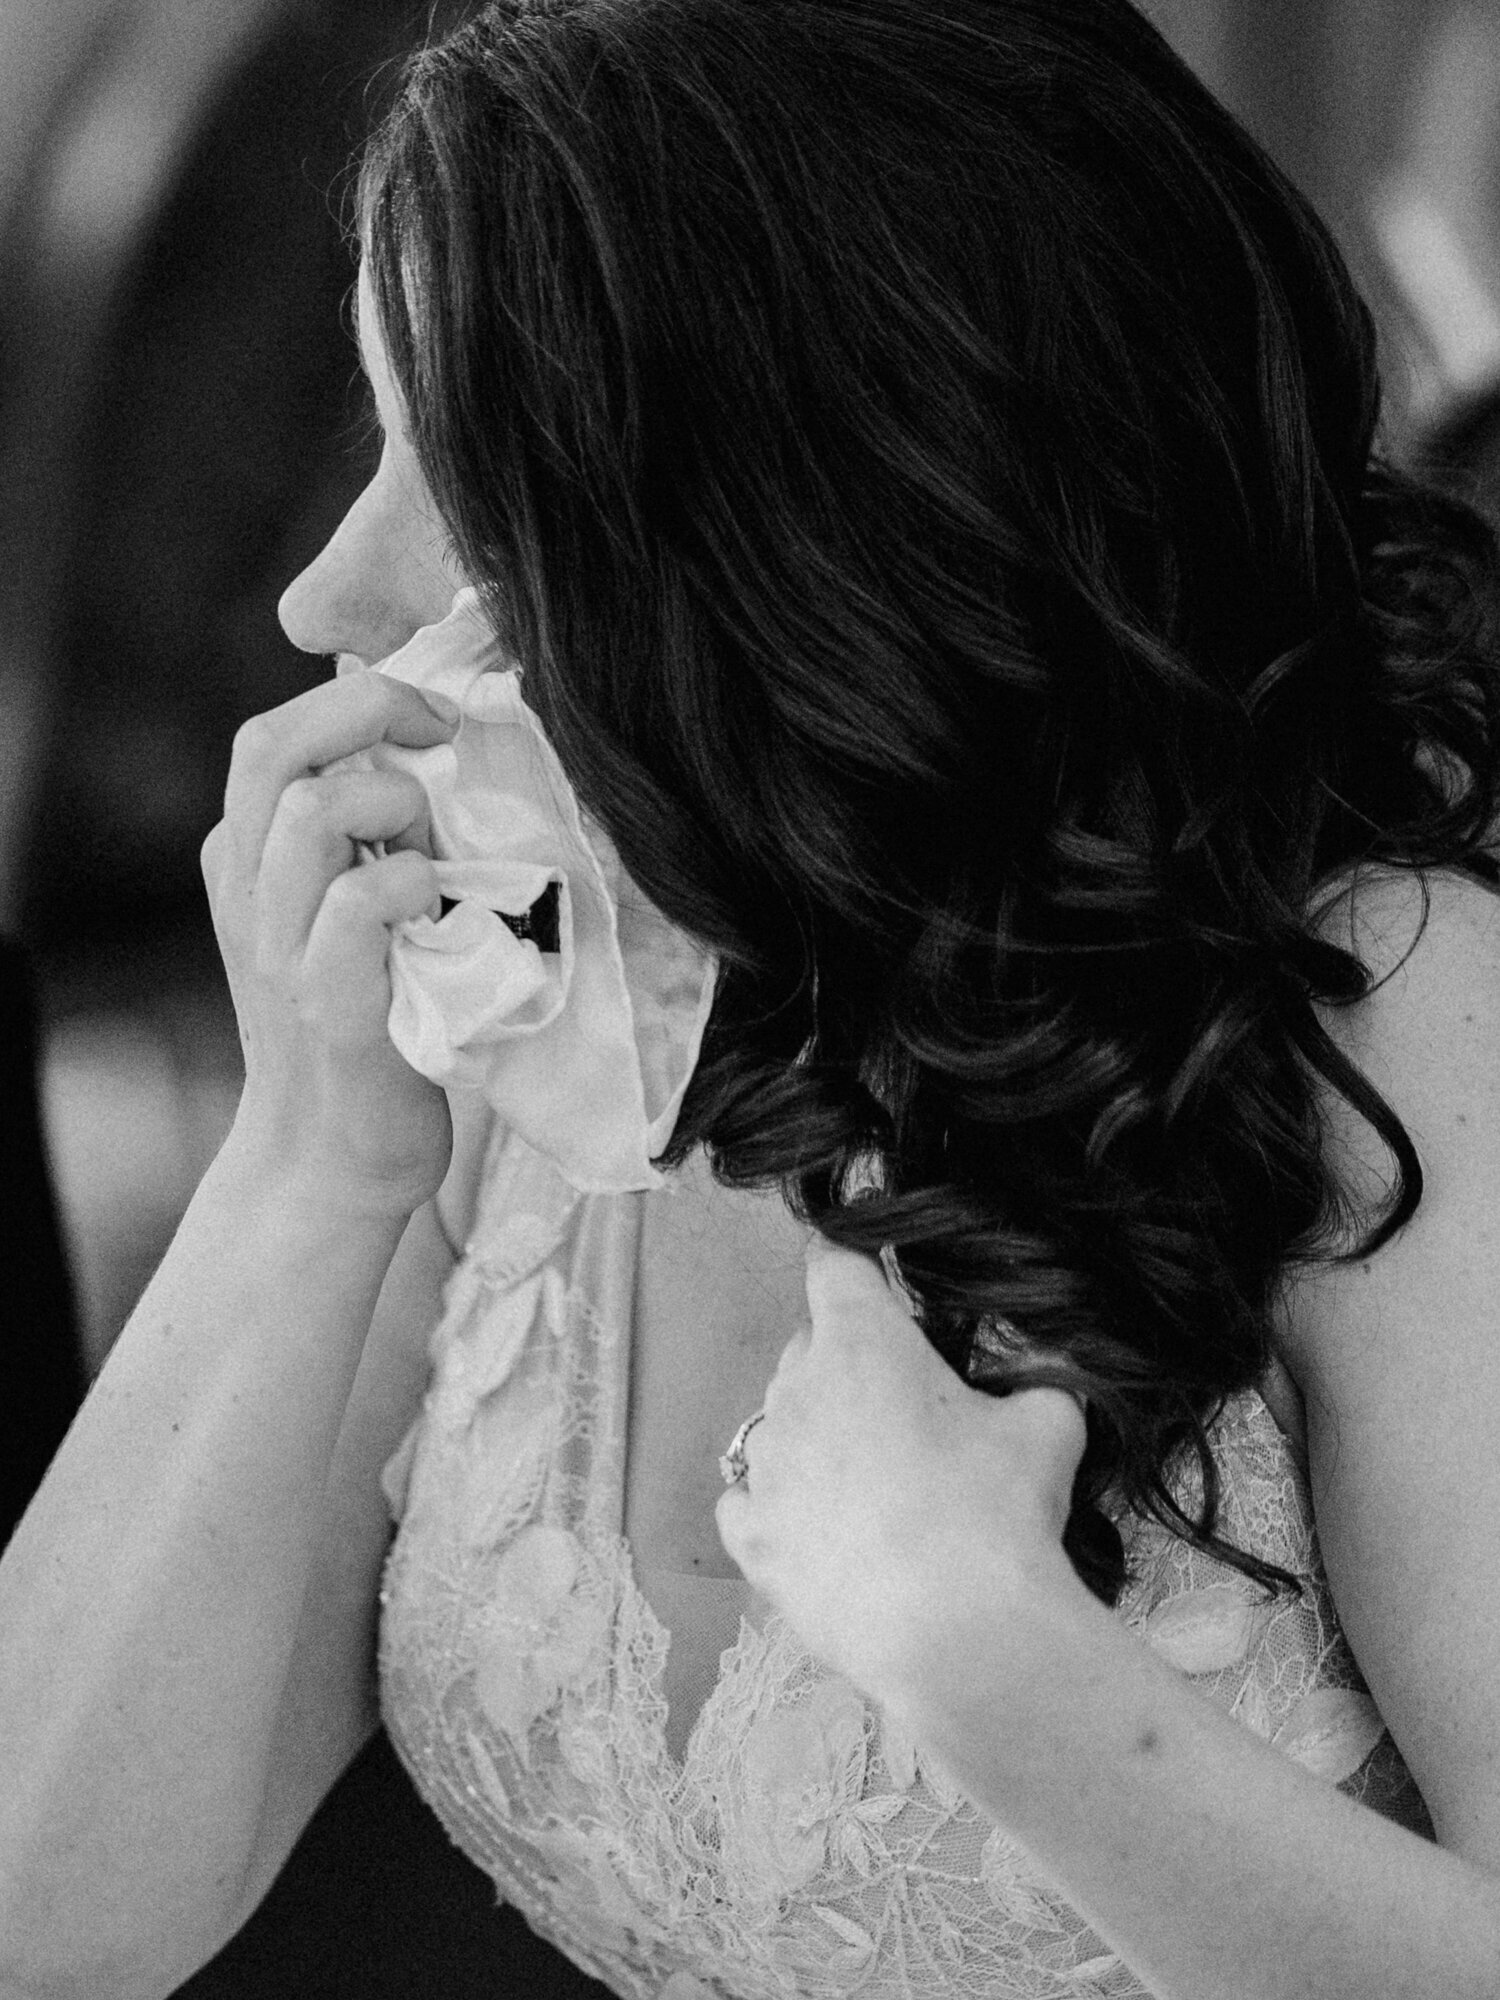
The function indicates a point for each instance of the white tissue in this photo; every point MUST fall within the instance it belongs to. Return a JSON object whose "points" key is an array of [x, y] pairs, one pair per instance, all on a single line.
{"points": [[585, 1052]]}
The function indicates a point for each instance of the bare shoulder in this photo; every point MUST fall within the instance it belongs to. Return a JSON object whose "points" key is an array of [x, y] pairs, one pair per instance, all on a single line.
{"points": [[1432, 944], [1398, 1354], [1427, 1035]]}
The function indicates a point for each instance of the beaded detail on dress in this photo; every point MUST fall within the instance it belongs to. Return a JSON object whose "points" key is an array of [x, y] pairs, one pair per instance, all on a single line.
{"points": [[800, 1848]]}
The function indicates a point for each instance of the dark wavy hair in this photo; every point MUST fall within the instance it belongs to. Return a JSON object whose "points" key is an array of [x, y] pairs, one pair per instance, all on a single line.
{"points": [[924, 453]]}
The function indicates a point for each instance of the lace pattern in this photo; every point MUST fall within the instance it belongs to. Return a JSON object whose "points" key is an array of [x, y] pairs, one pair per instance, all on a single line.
{"points": [[800, 1848]]}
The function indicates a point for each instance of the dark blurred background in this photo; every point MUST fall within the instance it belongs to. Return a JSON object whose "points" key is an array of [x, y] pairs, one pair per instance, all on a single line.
{"points": [[180, 428]]}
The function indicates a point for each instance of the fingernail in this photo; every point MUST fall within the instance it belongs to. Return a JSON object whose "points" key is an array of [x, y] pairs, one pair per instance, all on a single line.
{"points": [[443, 706]]}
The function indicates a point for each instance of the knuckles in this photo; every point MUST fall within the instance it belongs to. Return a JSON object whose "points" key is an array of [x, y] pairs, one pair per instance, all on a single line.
{"points": [[353, 901], [306, 804], [392, 890], [845, 1288], [320, 807], [351, 893], [363, 706], [740, 1544], [211, 857], [254, 741]]}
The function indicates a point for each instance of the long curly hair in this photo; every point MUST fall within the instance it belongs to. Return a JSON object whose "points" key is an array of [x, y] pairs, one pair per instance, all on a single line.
{"points": [[925, 454]]}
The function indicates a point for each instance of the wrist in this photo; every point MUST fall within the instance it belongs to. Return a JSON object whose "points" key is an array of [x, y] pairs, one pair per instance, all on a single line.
{"points": [[995, 1644], [302, 1195], [343, 1162]]}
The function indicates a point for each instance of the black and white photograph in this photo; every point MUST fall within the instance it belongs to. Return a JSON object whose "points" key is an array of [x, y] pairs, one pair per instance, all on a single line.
{"points": [[750, 999]]}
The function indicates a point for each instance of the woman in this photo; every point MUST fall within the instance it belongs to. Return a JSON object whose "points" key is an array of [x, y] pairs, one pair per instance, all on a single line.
{"points": [[922, 455]]}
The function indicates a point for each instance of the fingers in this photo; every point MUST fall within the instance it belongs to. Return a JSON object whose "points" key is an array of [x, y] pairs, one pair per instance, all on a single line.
{"points": [[1059, 1416], [311, 845], [795, 1349], [851, 1300], [841, 1280], [735, 1514], [732, 1515], [212, 858], [850, 1297], [330, 721], [346, 954]]}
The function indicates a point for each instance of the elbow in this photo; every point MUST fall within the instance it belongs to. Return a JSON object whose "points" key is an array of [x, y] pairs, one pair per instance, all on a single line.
{"points": [[105, 1979], [54, 1966], [91, 1914]]}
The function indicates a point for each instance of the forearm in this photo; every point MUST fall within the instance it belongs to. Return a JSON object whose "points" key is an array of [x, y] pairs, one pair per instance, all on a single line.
{"points": [[150, 1599], [1216, 1867]]}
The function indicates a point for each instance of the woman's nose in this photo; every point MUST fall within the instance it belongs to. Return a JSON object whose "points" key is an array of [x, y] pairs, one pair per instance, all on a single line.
{"points": [[377, 580], [335, 606]]}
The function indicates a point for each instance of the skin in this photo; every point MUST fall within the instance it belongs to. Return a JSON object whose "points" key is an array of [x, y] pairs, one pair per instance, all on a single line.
{"points": [[208, 1541], [936, 1580], [386, 570], [709, 1255], [1215, 1866]]}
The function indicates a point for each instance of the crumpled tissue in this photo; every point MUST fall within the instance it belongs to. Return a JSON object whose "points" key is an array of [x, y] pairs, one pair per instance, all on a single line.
{"points": [[586, 1051]]}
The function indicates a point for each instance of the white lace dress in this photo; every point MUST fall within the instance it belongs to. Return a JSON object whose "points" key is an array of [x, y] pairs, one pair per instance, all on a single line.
{"points": [[789, 1844]]}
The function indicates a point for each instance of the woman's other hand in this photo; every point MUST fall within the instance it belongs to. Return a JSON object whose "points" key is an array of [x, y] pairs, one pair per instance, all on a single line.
{"points": [[887, 1504], [304, 924]]}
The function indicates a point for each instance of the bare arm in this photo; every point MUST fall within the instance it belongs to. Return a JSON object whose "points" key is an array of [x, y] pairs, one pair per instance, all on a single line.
{"points": [[151, 1598], [1215, 1866], [330, 1701], [180, 1613], [1398, 1357]]}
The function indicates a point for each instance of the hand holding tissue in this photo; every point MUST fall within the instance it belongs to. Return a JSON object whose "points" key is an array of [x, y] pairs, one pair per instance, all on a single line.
{"points": [[585, 1051]]}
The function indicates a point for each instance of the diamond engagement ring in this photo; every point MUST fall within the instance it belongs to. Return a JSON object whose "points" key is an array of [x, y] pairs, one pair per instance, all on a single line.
{"points": [[733, 1464]]}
